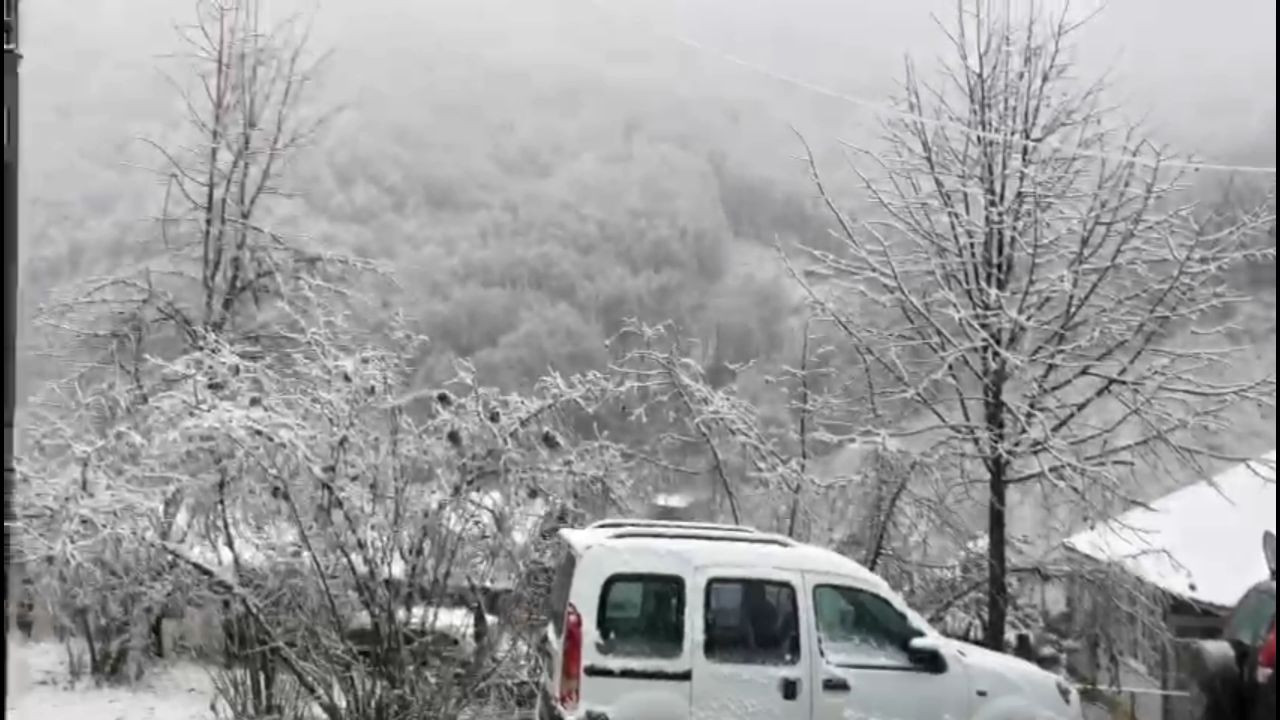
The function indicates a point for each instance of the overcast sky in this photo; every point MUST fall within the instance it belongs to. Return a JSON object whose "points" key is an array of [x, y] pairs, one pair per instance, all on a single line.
{"points": [[1201, 73]]}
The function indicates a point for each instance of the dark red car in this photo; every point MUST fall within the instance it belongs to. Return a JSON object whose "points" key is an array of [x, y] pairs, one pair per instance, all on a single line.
{"points": [[1266, 677]]}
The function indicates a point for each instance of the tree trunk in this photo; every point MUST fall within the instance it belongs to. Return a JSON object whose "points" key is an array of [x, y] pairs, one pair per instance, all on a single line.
{"points": [[997, 572], [157, 634], [997, 528]]}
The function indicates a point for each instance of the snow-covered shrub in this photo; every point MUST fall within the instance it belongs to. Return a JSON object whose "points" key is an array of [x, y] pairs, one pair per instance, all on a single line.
{"points": [[307, 487]]}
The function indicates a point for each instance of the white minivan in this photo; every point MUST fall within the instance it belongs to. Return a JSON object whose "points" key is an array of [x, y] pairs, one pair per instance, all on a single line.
{"points": [[662, 620]]}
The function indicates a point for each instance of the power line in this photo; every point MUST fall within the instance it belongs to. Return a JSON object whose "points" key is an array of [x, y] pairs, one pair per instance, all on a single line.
{"points": [[884, 109]]}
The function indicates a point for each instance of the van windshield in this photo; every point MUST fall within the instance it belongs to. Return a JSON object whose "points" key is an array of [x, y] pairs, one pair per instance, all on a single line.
{"points": [[861, 629]]}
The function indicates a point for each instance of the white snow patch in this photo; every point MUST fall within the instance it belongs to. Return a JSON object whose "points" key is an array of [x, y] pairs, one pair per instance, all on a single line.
{"points": [[678, 500], [455, 621], [1203, 542], [38, 689]]}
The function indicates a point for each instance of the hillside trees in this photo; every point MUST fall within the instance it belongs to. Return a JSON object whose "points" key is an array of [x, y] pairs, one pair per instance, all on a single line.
{"points": [[1036, 309], [607, 237], [243, 90], [468, 176], [254, 439]]}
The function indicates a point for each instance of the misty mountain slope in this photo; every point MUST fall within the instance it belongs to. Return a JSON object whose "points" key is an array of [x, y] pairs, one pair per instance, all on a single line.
{"points": [[477, 141], [430, 67], [554, 164]]}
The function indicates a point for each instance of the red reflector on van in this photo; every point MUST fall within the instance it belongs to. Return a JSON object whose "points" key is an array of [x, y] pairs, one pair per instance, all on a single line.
{"points": [[571, 659]]}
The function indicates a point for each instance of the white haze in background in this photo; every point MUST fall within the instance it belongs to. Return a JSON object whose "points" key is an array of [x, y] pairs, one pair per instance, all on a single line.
{"points": [[1202, 74]]}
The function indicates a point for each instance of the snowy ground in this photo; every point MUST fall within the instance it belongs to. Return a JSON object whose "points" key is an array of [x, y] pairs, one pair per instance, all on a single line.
{"points": [[37, 688]]}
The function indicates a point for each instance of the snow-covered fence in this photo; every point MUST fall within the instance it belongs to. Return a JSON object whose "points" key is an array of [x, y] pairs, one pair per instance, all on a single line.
{"points": [[1136, 703]]}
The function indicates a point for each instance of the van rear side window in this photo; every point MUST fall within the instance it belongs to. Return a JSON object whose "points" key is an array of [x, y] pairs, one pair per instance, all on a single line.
{"points": [[641, 616]]}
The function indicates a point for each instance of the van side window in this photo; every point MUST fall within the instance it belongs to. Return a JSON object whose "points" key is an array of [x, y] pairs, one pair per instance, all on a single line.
{"points": [[751, 622], [860, 629], [641, 616]]}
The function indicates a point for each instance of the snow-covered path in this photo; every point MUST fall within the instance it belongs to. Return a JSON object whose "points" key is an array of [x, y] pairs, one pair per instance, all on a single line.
{"points": [[37, 689]]}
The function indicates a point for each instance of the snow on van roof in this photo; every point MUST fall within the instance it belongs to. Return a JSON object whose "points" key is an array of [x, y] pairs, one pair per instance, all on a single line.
{"points": [[1201, 542], [617, 523], [716, 544]]}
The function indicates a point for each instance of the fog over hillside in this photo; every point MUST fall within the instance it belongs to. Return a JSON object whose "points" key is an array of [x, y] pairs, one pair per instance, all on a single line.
{"points": [[1204, 78], [457, 113]]}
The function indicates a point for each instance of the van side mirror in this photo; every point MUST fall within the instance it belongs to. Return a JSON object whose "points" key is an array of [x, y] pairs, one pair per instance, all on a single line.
{"points": [[925, 653]]}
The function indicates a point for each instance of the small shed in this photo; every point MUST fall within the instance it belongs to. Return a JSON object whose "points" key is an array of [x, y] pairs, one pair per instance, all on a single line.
{"points": [[1191, 555], [1202, 543]]}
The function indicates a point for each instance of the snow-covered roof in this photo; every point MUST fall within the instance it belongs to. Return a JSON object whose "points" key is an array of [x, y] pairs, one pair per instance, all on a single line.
{"points": [[679, 500], [458, 621], [1203, 542]]}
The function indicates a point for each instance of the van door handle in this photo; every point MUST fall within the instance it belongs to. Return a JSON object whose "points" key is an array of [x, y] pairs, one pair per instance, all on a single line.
{"points": [[790, 688], [835, 684]]}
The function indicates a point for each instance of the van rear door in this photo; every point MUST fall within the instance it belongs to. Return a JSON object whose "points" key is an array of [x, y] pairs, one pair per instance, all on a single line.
{"points": [[751, 660], [636, 630]]}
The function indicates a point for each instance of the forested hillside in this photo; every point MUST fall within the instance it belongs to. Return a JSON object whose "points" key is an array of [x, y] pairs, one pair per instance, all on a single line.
{"points": [[536, 172]]}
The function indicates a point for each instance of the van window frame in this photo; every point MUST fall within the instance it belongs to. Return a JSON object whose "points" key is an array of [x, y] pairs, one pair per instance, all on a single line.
{"points": [[906, 665], [741, 581], [682, 602]]}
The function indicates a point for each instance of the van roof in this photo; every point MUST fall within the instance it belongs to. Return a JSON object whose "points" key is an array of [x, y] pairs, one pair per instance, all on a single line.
{"points": [[716, 544]]}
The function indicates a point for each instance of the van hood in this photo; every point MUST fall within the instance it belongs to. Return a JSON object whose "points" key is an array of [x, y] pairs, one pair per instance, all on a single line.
{"points": [[1004, 677]]}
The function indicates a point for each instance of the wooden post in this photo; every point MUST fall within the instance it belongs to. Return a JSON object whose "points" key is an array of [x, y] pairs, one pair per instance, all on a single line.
{"points": [[12, 58], [1170, 632]]}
